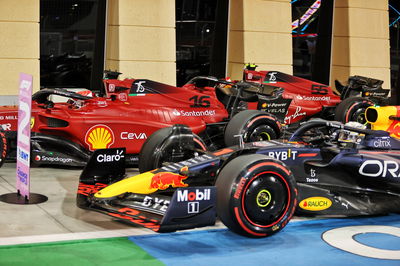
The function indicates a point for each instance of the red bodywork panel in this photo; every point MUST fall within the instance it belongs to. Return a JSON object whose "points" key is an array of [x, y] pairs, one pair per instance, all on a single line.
{"points": [[308, 97], [133, 109], [126, 117], [9, 117]]}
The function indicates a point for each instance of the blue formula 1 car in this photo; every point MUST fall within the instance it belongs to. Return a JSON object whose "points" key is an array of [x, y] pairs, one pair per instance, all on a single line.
{"points": [[326, 168]]}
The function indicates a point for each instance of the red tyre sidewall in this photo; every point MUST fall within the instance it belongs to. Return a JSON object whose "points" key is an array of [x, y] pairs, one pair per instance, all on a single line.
{"points": [[259, 120], [356, 106], [243, 182]]}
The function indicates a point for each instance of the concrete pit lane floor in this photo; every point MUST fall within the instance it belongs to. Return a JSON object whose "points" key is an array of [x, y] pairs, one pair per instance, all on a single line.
{"points": [[58, 218]]}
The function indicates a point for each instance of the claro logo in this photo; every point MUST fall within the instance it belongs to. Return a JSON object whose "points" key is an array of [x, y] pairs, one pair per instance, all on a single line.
{"points": [[376, 168], [106, 158]]}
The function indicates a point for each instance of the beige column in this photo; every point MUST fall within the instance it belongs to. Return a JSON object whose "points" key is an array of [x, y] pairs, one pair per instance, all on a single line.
{"points": [[260, 33], [361, 40], [19, 43], [141, 39]]}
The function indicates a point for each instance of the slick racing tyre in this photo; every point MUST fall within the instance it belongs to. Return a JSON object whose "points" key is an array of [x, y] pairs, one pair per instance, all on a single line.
{"points": [[157, 150], [3, 147], [253, 125], [256, 195], [352, 109]]}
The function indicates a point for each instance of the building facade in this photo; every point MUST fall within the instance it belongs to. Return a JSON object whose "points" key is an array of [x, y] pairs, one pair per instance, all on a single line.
{"points": [[159, 38]]}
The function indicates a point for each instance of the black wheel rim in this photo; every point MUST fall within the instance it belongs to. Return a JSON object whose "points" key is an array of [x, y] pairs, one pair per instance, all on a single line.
{"points": [[265, 199], [261, 133], [359, 116]]}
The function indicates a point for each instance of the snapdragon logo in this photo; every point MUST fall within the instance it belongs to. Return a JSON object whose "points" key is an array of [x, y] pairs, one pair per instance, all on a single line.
{"points": [[56, 159], [194, 113]]}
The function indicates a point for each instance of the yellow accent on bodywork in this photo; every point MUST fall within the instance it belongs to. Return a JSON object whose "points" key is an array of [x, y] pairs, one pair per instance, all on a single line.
{"points": [[383, 122], [139, 184]]}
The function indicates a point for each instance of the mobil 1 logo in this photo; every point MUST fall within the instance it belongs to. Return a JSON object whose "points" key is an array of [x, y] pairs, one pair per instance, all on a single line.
{"points": [[195, 205]]}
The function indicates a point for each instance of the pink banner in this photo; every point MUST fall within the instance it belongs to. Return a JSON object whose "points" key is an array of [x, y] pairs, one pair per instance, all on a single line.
{"points": [[24, 134]]}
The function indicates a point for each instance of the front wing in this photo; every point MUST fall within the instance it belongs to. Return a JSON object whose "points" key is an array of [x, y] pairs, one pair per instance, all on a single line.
{"points": [[187, 208]]}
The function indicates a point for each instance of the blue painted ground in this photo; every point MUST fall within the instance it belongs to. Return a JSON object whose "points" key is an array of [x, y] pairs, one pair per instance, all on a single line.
{"points": [[299, 243]]}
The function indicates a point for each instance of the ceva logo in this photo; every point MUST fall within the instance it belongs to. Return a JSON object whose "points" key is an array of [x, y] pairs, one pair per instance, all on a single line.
{"points": [[99, 137], [315, 204]]}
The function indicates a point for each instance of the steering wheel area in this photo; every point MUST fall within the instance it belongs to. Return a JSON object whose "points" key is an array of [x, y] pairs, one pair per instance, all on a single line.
{"points": [[317, 132], [41, 96]]}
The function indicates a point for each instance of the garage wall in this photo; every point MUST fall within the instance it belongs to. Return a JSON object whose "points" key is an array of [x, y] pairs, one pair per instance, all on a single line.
{"points": [[259, 32], [361, 40], [19, 45], [141, 39]]}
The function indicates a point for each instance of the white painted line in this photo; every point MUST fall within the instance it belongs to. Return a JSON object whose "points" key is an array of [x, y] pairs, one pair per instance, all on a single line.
{"points": [[72, 236]]}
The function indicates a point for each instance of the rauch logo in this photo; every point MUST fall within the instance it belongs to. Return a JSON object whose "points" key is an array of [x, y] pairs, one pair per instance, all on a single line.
{"points": [[315, 204]]}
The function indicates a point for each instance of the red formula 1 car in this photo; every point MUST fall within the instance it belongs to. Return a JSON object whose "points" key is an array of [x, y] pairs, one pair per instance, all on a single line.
{"points": [[293, 99], [130, 111]]}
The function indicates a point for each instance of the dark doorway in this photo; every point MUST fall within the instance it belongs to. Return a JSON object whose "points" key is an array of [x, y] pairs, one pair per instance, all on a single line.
{"points": [[201, 38], [394, 31], [72, 43], [312, 37]]}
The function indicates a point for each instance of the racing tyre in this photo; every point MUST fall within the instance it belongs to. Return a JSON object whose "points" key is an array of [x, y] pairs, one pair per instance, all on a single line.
{"points": [[157, 150], [352, 109], [3, 147], [253, 125], [257, 196]]}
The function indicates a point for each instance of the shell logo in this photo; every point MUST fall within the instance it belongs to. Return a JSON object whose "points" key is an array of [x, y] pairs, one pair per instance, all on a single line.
{"points": [[315, 204], [99, 137]]}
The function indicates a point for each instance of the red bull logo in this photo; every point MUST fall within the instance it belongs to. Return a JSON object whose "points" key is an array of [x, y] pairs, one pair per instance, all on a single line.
{"points": [[164, 180], [394, 129]]}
